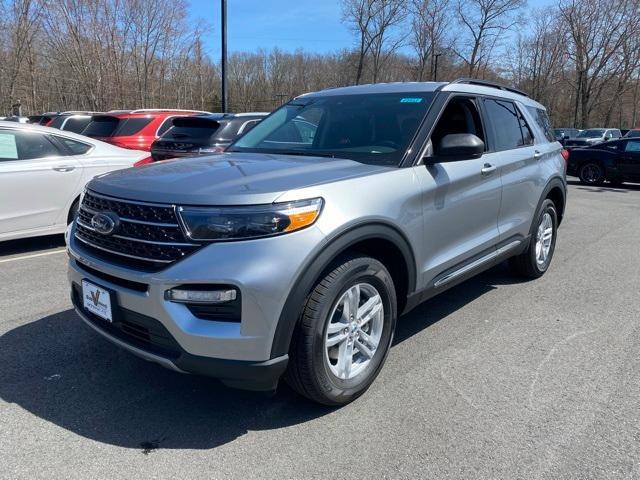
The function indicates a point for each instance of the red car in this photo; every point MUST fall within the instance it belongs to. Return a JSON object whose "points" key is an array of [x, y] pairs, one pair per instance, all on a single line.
{"points": [[135, 129]]}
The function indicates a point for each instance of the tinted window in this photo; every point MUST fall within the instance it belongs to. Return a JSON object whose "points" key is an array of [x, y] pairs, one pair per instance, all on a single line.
{"points": [[527, 136], [166, 125], [102, 126], [58, 121], [76, 148], [632, 146], [131, 126], [192, 127], [633, 134], [615, 133], [18, 145], [592, 133], [506, 122], [543, 121], [76, 124], [246, 126], [373, 129]]}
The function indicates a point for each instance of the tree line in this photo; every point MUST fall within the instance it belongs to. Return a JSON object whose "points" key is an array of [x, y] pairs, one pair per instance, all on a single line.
{"points": [[580, 58]]}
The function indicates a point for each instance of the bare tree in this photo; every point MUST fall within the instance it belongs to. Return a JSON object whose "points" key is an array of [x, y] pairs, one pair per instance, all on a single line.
{"points": [[482, 23], [371, 20], [23, 15], [596, 31], [430, 23]]}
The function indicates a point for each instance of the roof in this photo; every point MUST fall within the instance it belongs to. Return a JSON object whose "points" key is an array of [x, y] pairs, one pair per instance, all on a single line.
{"points": [[394, 87], [425, 87]]}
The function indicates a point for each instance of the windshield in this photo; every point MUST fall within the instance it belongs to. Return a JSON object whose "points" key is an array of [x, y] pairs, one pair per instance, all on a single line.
{"points": [[375, 129], [591, 133]]}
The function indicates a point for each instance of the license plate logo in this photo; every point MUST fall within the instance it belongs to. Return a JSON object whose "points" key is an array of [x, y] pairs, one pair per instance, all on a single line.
{"points": [[96, 300]]}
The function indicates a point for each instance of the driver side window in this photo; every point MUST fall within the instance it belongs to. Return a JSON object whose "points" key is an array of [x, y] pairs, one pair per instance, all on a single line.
{"points": [[459, 116]]}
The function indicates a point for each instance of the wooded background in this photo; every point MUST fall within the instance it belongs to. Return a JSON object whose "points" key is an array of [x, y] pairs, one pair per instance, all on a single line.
{"points": [[580, 58]]}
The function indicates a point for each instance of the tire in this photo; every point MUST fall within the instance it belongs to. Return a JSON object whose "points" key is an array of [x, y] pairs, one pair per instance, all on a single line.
{"points": [[316, 368], [591, 173], [528, 263], [73, 212]]}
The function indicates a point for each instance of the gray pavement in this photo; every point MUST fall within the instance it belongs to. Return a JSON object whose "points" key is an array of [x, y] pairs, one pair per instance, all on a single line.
{"points": [[496, 378]]}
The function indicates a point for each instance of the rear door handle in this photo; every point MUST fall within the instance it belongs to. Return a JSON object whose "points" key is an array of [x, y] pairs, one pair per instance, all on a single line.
{"points": [[537, 155], [488, 169], [64, 168]]}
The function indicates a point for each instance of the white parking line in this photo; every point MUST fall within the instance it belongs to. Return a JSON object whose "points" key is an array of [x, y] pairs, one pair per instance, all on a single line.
{"points": [[33, 255]]}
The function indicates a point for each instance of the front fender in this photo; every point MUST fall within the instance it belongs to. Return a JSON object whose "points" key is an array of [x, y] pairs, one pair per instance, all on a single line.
{"points": [[313, 269]]}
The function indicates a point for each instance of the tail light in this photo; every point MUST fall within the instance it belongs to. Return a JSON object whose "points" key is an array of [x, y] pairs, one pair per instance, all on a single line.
{"points": [[144, 161]]}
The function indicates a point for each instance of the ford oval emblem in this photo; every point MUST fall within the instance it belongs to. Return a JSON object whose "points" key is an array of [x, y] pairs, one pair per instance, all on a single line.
{"points": [[105, 223]]}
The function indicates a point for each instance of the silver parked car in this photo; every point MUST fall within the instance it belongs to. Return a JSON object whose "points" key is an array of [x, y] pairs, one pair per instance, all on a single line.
{"points": [[295, 252]]}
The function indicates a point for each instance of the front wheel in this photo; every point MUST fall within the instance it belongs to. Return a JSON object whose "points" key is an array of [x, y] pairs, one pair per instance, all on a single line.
{"points": [[535, 260], [345, 332], [591, 173]]}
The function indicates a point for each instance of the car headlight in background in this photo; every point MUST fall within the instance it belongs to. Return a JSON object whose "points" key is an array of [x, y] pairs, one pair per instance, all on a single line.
{"points": [[244, 222]]}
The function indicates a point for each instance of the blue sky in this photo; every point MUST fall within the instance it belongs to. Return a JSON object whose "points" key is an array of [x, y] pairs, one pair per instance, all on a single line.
{"points": [[313, 25]]}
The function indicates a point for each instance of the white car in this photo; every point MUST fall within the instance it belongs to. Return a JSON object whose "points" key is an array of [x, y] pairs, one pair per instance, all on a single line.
{"points": [[43, 171]]}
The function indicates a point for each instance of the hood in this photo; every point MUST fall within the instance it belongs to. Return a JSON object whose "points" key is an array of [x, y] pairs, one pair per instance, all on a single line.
{"points": [[227, 179]]}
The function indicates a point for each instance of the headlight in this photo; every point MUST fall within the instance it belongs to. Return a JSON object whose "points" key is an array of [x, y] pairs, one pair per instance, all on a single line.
{"points": [[236, 223]]}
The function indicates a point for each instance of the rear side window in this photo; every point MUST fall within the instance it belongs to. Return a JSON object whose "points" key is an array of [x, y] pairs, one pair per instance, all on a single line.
{"points": [[542, 119], [510, 128], [17, 145], [632, 146], [76, 148], [101, 126], [76, 124], [58, 121], [166, 125], [131, 126]]}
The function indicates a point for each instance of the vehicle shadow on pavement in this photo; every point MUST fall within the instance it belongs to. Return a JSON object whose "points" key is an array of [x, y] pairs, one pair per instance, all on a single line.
{"points": [[31, 245], [58, 369], [446, 303]]}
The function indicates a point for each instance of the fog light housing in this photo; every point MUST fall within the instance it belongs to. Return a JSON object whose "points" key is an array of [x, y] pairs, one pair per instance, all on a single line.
{"points": [[213, 295]]}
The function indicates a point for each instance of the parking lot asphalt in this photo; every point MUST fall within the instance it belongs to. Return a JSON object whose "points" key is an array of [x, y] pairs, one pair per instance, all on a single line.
{"points": [[497, 378]]}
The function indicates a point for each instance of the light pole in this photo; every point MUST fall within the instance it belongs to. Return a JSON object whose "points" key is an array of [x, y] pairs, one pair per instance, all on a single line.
{"points": [[223, 62]]}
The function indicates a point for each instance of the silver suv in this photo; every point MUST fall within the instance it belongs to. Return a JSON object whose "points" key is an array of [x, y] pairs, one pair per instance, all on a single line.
{"points": [[295, 251]]}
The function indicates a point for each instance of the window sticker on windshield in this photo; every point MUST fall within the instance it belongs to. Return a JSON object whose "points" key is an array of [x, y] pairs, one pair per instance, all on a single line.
{"points": [[411, 100], [8, 148]]}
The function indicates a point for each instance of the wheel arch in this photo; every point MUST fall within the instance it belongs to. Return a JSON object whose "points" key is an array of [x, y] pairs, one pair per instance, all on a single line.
{"points": [[378, 240], [556, 191]]}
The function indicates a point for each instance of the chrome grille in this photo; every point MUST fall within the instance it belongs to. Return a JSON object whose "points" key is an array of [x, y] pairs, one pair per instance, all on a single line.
{"points": [[148, 236]]}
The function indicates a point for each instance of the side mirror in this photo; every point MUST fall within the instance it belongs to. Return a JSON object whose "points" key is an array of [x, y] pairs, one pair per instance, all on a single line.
{"points": [[459, 146], [607, 136]]}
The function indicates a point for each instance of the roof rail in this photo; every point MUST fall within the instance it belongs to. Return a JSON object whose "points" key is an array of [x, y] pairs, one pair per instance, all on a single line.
{"points": [[487, 83], [142, 110]]}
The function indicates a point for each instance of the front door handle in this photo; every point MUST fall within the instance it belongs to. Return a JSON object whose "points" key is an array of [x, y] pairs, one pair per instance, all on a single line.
{"points": [[488, 169], [64, 168], [537, 155]]}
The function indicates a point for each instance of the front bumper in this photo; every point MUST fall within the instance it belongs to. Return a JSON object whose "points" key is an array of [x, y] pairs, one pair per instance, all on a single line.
{"points": [[239, 353]]}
